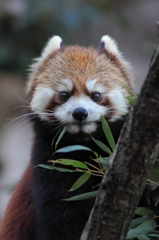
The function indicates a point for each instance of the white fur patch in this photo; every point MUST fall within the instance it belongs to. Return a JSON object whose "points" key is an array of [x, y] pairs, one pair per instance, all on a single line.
{"points": [[93, 85], [110, 44], [53, 44], [89, 128], [119, 103], [64, 114], [41, 99], [65, 85]]}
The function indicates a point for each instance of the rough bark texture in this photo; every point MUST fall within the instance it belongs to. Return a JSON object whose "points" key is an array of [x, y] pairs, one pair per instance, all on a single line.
{"points": [[126, 175]]}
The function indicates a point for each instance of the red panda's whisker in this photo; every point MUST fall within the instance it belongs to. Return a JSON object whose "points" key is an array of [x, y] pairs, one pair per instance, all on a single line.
{"points": [[15, 124], [49, 114], [20, 107], [19, 96], [21, 118], [21, 123], [24, 115], [15, 119]]}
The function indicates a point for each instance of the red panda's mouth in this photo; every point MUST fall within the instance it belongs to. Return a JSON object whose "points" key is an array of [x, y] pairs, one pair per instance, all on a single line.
{"points": [[83, 126], [80, 124]]}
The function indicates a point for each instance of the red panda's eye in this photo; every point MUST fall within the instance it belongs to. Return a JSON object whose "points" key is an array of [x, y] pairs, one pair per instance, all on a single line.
{"points": [[95, 96], [64, 96]]}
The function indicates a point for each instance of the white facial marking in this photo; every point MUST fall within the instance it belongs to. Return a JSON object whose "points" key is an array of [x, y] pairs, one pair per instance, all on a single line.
{"points": [[94, 85], [119, 103], [64, 114], [41, 99], [53, 44], [89, 128], [65, 85]]}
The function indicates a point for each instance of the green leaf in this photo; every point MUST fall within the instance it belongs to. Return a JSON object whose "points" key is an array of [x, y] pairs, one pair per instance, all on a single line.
{"points": [[155, 171], [60, 136], [104, 162], [131, 93], [73, 148], [98, 185], [96, 154], [143, 237], [56, 168], [135, 222], [82, 196], [71, 162], [80, 181], [132, 96], [108, 133], [142, 229], [157, 159], [102, 146], [153, 234], [52, 144], [130, 99], [144, 212]]}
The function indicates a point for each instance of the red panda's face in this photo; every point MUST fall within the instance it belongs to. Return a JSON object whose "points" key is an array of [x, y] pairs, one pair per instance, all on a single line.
{"points": [[75, 86]]}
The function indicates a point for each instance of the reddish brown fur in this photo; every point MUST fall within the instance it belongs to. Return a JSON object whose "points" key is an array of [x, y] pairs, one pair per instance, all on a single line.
{"points": [[120, 65], [23, 215], [106, 102], [53, 103], [80, 64]]}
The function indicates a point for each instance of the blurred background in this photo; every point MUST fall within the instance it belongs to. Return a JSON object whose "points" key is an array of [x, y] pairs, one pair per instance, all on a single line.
{"points": [[26, 25]]}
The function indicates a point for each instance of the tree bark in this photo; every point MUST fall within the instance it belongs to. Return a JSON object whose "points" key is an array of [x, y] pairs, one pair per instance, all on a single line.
{"points": [[134, 156]]}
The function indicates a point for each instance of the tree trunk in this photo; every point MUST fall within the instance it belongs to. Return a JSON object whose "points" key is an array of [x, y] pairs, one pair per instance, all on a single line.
{"points": [[134, 156]]}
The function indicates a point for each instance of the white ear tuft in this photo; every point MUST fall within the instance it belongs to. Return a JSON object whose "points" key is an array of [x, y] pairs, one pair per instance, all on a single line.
{"points": [[53, 44], [109, 44]]}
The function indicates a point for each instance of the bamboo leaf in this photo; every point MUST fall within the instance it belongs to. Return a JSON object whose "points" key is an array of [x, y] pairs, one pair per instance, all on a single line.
{"points": [[131, 93], [82, 196], [104, 162], [156, 232], [108, 133], [70, 162], [98, 185], [58, 169], [60, 136], [73, 148], [143, 237], [52, 144], [102, 146], [144, 212], [135, 222], [155, 171], [153, 234], [142, 229], [130, 99], [80, 181]]}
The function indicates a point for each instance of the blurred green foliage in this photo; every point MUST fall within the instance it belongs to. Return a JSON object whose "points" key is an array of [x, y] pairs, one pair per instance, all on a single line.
{"points": [[24, 34]]}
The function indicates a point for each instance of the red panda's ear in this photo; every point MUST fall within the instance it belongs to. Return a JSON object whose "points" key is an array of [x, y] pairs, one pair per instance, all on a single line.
{"points": [[109, 45], [52, 45]]}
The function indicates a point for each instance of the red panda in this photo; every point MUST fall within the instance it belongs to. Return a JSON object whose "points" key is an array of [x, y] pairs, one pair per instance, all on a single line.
{"points": [[68, 86]]}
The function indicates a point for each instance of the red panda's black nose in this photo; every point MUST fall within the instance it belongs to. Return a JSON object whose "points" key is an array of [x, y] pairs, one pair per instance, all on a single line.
{"points": [[80, 114]]}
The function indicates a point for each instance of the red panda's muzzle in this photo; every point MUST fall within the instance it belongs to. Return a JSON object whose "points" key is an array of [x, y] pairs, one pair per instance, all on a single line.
{"points": [[80, 114]]}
